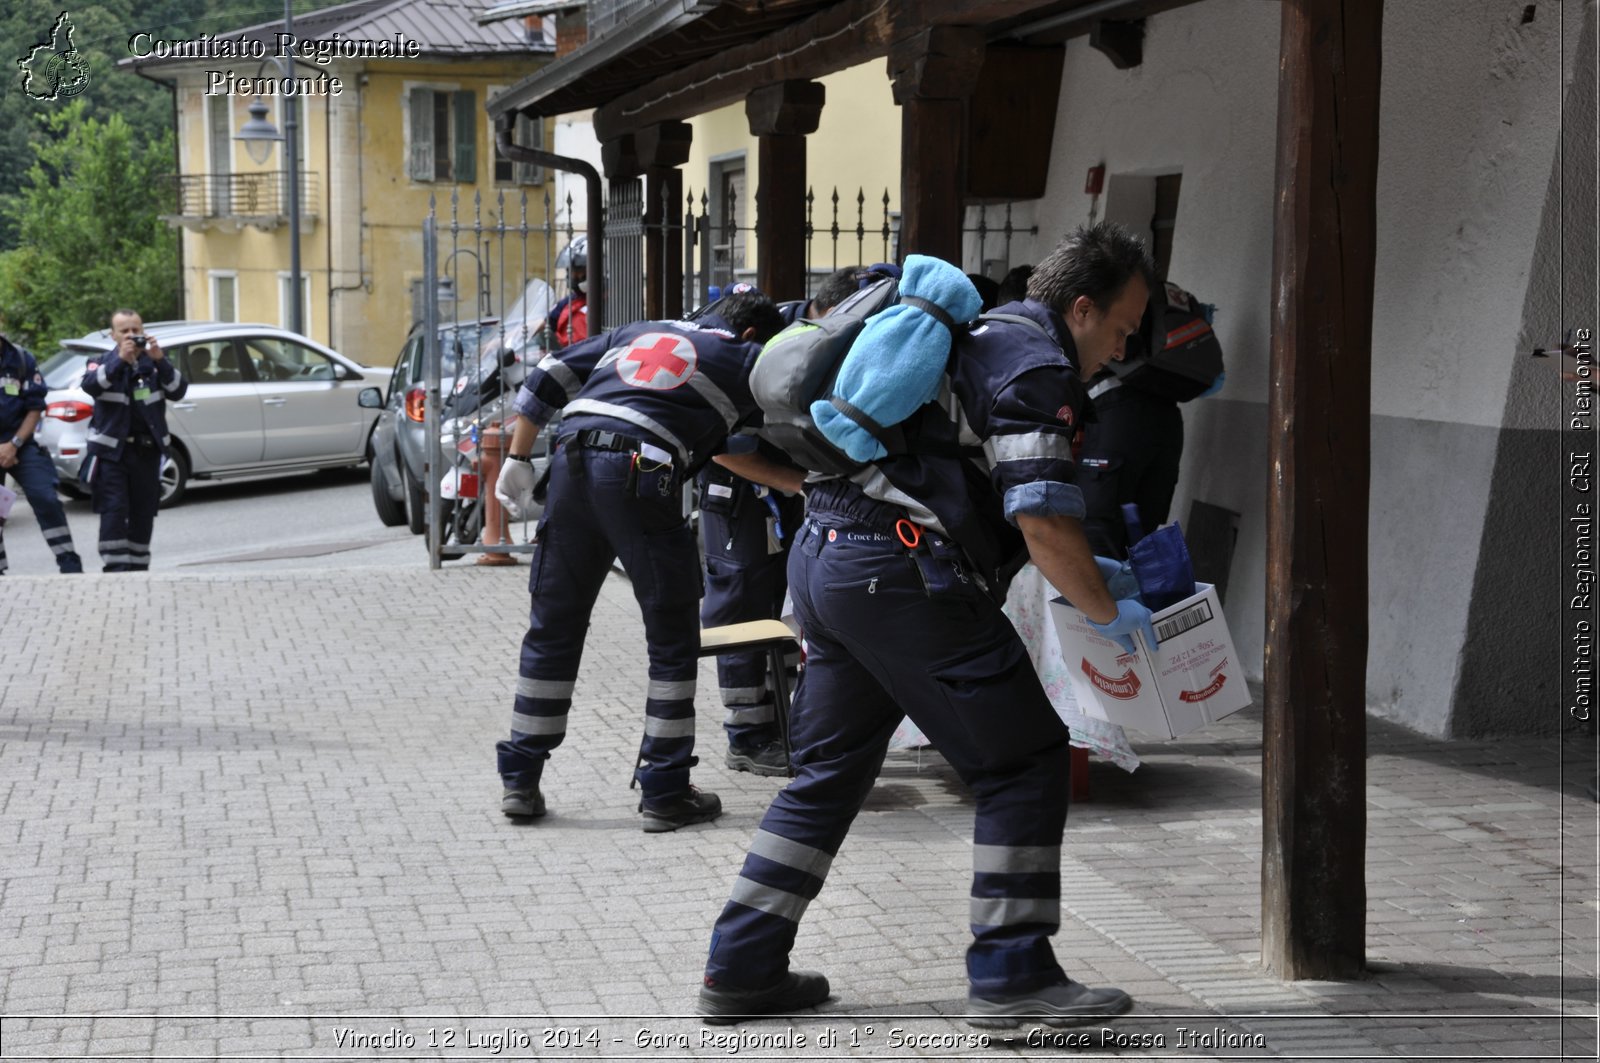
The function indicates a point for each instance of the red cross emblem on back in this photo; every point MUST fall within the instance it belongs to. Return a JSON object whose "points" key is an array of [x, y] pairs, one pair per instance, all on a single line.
{"points": [[659, 361]]}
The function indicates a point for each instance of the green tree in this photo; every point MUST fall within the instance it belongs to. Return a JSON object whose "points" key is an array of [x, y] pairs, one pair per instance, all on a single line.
{"points": [[91, 236]]}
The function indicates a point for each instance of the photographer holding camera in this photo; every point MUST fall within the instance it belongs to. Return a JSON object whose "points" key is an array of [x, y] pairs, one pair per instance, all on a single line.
{"points": [[131, 384]]}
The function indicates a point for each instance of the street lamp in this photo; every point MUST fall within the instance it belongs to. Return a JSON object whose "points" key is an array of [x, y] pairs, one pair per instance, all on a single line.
{"points": [[259, 134]]}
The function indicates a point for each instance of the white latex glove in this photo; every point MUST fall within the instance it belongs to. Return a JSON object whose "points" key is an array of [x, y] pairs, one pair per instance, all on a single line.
{"points": [[514, 488]]}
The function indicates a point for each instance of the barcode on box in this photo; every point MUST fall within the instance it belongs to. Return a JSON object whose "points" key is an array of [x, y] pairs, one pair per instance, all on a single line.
{"points": [[1192, 617]]}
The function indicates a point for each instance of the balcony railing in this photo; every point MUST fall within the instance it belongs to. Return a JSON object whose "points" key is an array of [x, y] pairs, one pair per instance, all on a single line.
{"points": [[240, 195]]}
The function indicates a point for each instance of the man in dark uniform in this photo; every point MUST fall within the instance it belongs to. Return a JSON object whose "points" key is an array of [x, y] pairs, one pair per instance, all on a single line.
{"points": [[897, 578], [22, 395], [131, 385], [750, 509], [1134, 444], [643, 407]]}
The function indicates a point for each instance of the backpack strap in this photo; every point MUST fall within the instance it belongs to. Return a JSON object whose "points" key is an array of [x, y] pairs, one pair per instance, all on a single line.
{"points": [[1016, 319], [862, 418], [933, 310]]}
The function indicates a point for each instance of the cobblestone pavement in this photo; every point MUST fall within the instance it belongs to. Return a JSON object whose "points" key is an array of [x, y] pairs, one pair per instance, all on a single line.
{"points": [[256, 816]]}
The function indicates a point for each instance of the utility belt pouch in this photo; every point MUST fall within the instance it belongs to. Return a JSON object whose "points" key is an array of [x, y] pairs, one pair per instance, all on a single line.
{"points": [[941, 565], [650, 479], [720, 493]]}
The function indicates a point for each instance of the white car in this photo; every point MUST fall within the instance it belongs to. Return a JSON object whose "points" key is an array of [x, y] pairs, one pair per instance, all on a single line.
{"points": [[262, 400]]}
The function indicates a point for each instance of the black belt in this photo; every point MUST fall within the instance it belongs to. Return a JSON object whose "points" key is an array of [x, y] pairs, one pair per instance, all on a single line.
{"points": [[599, 439], [141, 441]]}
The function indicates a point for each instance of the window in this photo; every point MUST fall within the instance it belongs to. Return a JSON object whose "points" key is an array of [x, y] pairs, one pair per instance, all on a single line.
{"points": [[442, 128], [219, 149], [276, 359], [728, 212], [285, 312], [530, 134], [224, 296]]}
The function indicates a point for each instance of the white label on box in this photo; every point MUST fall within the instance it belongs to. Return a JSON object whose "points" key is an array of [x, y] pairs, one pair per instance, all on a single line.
{"points": [[1188, 681]]}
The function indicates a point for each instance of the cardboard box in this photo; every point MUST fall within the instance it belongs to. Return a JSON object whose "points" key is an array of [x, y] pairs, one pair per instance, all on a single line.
{"points": [[1195, 678]]}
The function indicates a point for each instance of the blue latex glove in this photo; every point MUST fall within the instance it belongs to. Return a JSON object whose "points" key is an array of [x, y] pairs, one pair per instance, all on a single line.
{"points": [[1119, 577], [1216, 386], [1131, 616]]}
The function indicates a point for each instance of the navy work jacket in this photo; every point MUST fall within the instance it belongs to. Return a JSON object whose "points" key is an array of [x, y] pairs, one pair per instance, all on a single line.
{"points": [[22, 388], [122, 392], [682, 386], [1005, 423]]}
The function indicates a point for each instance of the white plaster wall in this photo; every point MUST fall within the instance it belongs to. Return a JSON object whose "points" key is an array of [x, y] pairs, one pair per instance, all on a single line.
{"points": [[1469, 124], [573, 136]]}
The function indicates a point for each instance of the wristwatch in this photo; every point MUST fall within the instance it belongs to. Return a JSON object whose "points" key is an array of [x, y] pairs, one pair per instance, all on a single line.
{"points": [[520, 457], [16, 441]]}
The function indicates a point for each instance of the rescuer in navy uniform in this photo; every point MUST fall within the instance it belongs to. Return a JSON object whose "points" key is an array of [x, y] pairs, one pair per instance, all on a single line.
{"points": [[750, 509], [22, 394], [131, 385], [643, 408], [897, 577]]}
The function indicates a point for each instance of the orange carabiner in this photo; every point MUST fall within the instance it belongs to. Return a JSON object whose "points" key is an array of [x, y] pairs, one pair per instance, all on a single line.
{"points": [[914, 539]]}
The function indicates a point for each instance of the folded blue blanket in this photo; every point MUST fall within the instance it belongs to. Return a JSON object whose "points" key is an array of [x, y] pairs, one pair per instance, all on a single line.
{"points": [[895, 364]]}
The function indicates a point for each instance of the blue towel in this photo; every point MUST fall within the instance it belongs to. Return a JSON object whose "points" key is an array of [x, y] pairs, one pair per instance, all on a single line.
{"points": [[895, 364]]}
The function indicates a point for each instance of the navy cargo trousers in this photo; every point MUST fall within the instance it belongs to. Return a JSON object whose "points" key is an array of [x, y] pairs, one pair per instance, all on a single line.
{"points": [[892, 631], [603, 505], [745, 580]]}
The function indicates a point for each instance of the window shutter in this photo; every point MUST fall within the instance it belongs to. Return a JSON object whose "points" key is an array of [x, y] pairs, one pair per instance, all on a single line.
{"points": [[466, 136], [420, 165], [530, 132]]}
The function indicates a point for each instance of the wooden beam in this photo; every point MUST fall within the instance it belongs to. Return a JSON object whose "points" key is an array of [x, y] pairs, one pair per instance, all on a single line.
{"points": [[1313, 888], [1120, 42], [935, 71], [663, 145], [789, 108], [781, 116], [619, 157], [836, 38]]}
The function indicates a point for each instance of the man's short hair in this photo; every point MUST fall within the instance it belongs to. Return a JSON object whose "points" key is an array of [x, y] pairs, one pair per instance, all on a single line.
{"points": [[1097, 261], [751, 309], [835, 289], [124, 312]]}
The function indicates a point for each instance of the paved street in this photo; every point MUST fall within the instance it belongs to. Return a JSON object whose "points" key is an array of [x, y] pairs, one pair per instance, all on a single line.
{"points": [[255, 815], [314, 520]]}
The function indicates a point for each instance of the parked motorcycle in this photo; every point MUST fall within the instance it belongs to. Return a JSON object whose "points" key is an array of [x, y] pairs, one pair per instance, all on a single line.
{"points": [[481, 397]]}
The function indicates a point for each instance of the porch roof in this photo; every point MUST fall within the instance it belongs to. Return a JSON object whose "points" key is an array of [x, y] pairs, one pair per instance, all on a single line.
{"points": [[707, 53]]}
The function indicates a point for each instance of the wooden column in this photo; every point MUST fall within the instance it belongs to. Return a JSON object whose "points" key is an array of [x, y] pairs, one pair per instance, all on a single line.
{"points": [[782, 116], [933, 71], [663, 148], [1313, 886]]}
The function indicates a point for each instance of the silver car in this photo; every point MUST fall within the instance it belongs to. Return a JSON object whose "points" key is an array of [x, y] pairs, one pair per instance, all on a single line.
{"points": [[399, 444], [262, 401]]}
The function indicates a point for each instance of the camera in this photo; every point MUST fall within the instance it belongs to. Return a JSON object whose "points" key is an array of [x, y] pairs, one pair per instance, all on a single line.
{"points": [[140, 341]]}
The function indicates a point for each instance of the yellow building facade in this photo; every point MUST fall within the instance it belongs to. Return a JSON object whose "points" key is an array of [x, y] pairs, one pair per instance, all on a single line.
{"points": [[401, 136], [855, 150]]}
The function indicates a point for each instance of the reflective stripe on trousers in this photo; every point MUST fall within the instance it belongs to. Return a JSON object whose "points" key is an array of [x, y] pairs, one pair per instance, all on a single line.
{"points": [[591, 517], [126, 494], [744, 582], [883, 637]]}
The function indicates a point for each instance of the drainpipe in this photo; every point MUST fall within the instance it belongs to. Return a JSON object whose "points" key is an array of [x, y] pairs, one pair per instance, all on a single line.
{"points": [[591, 177], [177, 168]]}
